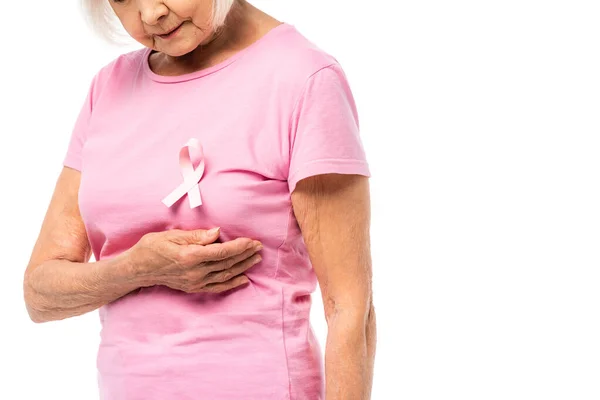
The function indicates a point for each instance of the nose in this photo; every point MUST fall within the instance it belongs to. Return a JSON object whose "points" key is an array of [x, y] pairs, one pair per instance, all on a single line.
{"points": [[151, 11]]}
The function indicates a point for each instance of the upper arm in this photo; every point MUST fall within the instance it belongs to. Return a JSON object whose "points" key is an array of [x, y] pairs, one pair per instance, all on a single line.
{"points": [[328, 181], [62, 234], [333, 212]]}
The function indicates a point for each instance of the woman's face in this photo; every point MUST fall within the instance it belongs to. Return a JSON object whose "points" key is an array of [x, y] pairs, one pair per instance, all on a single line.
{"points": [[148, 22]]}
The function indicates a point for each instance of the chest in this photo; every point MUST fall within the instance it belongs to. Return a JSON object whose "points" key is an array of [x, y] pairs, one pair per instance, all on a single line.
{"points": [[135, 157]]}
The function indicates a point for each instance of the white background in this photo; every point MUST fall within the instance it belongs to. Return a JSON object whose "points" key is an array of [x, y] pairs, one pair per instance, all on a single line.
{"points": [[481, 121]]}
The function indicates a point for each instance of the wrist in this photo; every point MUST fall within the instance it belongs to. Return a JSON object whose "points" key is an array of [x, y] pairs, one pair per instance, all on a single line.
{"points": [[130, 271]]}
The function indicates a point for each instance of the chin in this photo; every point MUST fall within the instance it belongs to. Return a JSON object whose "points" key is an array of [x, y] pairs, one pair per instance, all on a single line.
{"points": [[175, 52], [180, 49]]}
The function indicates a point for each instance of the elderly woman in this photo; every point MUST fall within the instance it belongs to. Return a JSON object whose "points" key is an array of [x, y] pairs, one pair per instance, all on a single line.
{"points": [[225, 119]]}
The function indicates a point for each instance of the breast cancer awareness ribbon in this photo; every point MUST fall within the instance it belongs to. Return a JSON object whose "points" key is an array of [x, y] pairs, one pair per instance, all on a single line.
{"points": [[191, 176]]}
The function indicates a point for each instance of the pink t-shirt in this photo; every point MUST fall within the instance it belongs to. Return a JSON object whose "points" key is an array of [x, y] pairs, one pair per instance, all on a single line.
{"points": [[274, 113]]}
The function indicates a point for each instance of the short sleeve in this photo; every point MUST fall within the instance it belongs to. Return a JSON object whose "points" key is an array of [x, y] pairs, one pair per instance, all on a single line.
{"points": [[324, 136], [72, 157]]}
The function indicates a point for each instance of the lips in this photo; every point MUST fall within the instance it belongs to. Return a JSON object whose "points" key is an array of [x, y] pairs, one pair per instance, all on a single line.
{"points": [[171, 31]]}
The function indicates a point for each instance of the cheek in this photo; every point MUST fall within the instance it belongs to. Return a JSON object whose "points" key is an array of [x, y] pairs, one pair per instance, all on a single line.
{"points": [[141, 36], [135, 29], [191, 9]]}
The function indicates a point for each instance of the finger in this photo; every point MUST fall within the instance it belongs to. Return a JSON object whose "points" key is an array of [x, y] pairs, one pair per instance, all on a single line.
{"points": [[196, 236], [224, 286], [222, 251], [226, 274], [227, 263]]}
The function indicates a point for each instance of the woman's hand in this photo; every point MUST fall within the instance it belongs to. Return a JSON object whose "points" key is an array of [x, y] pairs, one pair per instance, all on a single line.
{"points": [[190, 261]]}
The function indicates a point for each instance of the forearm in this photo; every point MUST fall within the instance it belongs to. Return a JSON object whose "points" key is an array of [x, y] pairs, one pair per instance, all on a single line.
{"points": [[59, 289], [350, 357]]}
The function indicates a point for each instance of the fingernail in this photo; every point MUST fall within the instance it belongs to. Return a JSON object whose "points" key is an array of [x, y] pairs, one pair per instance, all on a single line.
{"points": [[213, 231], [259, 247]]}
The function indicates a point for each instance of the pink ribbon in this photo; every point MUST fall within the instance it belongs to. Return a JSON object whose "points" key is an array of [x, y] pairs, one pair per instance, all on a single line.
{"points": [[191, 176]]}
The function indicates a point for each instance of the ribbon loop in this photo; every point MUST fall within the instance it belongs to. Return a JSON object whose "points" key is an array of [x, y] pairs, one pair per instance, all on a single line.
{"points": [[191, 176]]}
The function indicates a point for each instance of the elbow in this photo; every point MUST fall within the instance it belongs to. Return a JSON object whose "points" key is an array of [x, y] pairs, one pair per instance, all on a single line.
{"points": [[371, 317], [357, 314], [35, 313]]}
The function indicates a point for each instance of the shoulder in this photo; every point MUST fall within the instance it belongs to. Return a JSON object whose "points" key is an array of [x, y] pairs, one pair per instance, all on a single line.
{"points": [[292, 59], [124, 63], [297, 51], [119, 69]]}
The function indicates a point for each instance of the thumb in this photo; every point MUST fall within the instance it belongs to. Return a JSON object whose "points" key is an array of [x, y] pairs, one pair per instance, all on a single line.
{"points": [[202, 236]]}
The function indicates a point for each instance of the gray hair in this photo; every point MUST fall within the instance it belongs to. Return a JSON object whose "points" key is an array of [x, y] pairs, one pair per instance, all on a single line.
{"points": [[102, 19]]}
